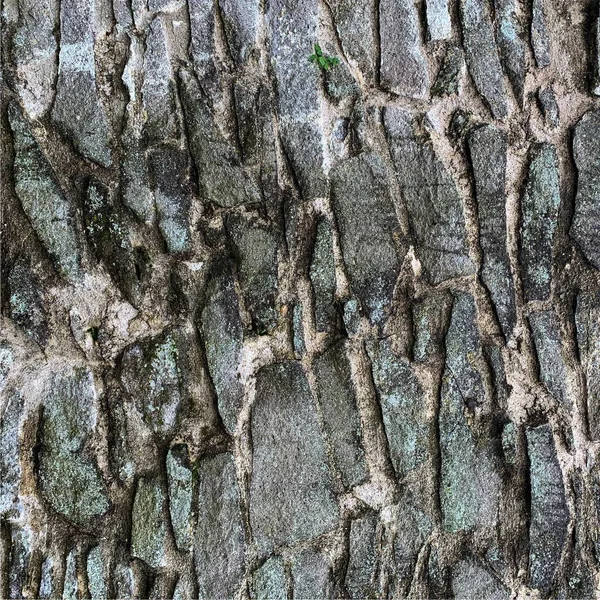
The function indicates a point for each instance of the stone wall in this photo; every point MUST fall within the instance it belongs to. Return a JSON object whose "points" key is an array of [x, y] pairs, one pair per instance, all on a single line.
{"points": [[271, 330]]}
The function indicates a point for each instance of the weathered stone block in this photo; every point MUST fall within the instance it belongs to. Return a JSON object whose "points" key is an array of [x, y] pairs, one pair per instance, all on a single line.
{"points": [[294, 501]]}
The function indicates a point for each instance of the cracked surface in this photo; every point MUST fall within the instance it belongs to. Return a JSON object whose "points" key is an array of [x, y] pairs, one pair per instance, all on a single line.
{"points": [[274, 332]]}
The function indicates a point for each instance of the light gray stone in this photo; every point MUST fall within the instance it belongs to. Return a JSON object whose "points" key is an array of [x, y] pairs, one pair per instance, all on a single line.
{"points": [[439, 25], [539, 35], [77, 108], [403, 68], [470, 581], [312, 575]]}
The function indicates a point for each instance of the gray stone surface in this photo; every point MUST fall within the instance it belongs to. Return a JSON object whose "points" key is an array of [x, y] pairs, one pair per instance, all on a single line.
{"points": [[482, 54], [549, 513], [471, 581], [268, 581], [367, 222], [488, 146], [51, 214], [294, 501], [439, 24], [539, 35], [512, 45], [222, 335], [312, 574], [539, 211], [587, 320], [549, 106], [340, 414], [259, 331], [172, 197], [219, 541], [77, 110], [180, 486], [148, 531], [35, 55], [586, 151], [545, 330], [322, 277], [355, 24], [432, 201], [448, 78], [470, 486], [69, 476], [150, 375], [9, 457], [256, 250], [403, 68], [402, 406], [292, 26], [360, 573]]}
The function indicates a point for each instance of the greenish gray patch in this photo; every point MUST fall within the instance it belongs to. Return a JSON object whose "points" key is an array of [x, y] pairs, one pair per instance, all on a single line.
{"points": [[510, 33], [10, 466], [148, 532], [179, 477], [403, 407], [470, 483], [51, 214], [69, 479], [268, 581], [539, 209]]}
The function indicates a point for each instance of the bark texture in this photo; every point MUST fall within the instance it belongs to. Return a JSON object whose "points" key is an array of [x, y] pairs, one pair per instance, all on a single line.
{"points": [[271, 330]]}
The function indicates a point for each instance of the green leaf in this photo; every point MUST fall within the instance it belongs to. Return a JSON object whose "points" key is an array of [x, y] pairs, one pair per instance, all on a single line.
{"points": [[318, 50], [323, 62], [334, 60], [312, 58]]}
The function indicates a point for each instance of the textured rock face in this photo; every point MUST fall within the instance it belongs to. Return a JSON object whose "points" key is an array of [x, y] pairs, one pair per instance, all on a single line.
{"points": [[282, 328]]}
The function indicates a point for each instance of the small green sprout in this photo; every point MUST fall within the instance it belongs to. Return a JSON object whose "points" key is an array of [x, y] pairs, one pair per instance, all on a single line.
{"points": [[324, 62]]}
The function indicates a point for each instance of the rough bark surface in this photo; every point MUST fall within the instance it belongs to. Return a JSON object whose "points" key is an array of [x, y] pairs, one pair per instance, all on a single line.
{"points": [[275, 331]]}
